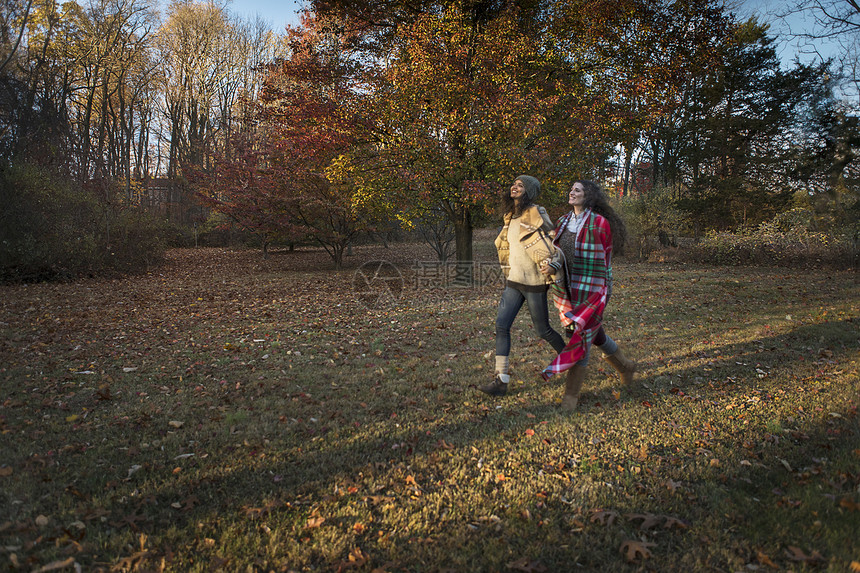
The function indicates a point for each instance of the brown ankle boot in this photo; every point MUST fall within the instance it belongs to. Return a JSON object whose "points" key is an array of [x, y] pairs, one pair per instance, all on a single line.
{"points": [[572, 387], [625, 367]]}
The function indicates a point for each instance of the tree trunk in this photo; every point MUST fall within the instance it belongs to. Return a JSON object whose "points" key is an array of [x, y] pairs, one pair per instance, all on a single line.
{"points": [[463, 248], [628, 162], [337, 256]]}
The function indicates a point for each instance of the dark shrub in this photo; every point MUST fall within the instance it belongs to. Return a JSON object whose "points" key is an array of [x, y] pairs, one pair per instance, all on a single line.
{"points": [[51, 228]]}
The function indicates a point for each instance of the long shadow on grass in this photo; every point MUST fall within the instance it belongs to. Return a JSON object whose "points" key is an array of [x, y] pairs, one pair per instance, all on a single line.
{"points": [[776, 351], [280, 490], [339, 462], [334, 460]]}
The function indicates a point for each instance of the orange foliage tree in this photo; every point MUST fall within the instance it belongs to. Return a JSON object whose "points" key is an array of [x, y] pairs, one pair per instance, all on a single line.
{"points": [[465, 95], [279, 177], [394, 108]]}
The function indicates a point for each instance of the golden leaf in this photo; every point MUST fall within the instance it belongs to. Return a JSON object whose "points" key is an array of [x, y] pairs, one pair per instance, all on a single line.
{"points": [[314, 522], [765, 560]]}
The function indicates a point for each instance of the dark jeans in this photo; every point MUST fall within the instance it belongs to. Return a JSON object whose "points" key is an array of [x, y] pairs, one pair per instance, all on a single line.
{"points": [[509, 306], [603, 342]]}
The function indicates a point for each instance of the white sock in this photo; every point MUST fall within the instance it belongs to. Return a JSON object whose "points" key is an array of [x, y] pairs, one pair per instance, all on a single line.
{"points": [[502, 368]]}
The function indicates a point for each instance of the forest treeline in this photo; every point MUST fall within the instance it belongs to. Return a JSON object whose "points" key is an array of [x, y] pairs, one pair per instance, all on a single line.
{"points": [[124, 129]]}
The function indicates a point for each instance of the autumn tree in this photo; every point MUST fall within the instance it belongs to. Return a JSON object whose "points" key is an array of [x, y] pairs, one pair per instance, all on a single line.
{"points": [[115, 77], [34, 117], [210, 62], [72, 96], [282, 177], [13, 23], [462, 115], [193, 42], [470, 94], [647, 65], [251, 185]]}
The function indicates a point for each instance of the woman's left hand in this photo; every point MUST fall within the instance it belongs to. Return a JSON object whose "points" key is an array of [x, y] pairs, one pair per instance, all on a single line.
{"points": [[546, 269]]}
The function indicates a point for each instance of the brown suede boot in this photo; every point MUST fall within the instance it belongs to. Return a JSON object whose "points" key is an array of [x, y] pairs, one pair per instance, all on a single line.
{"points": [[572, 387], [625, 367]]}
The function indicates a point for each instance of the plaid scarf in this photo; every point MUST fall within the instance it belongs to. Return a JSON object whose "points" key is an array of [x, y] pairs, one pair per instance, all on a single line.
{"points": [[581, 298]]}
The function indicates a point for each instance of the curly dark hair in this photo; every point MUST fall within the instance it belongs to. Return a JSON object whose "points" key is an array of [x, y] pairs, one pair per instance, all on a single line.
{"points": [[515, 208], [598, 202]]}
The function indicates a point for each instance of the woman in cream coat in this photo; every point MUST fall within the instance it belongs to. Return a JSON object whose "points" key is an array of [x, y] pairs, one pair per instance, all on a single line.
{"points": [[524, 245]]}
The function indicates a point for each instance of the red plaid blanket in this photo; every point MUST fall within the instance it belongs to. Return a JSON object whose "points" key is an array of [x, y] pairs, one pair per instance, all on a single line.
{"points": [[581, 300]]}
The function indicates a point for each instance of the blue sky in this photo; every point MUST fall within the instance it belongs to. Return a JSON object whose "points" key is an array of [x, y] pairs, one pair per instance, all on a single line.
{"points": [[278, 13]]}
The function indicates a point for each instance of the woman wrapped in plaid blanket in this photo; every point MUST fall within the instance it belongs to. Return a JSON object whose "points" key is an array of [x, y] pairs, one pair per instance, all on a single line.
{"points": [[582, 268]]}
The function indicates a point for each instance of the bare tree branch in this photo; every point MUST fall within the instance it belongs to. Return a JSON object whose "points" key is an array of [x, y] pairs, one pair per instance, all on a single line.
{"points": [[20, 35]]}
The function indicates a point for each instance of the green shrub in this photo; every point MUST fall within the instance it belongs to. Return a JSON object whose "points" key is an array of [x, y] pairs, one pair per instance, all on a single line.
{"points": [[786, 240], [653, 222]]}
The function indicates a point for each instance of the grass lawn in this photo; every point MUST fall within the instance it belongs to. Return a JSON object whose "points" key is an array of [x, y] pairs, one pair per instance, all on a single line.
{"points": [[230, 413]]}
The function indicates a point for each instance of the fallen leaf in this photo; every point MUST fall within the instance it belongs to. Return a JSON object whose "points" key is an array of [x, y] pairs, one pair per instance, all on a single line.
{"points": [[133, 469], [855, 567], [55, 565], [175, 424], [649, 520], [5, 471], [314, 522], [634, 549], [765, 560], [42, 521], [797, 554], [356, 558], [603, 517], [377, 499], [849, 504], [674, 522], [530, 432]]}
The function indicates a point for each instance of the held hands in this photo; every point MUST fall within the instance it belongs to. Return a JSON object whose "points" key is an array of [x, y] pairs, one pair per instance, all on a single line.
{"points": [[545, 268]]}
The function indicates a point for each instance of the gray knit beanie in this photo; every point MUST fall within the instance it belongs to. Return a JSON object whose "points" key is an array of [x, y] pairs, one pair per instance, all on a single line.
{"points": [[531, 184]]}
